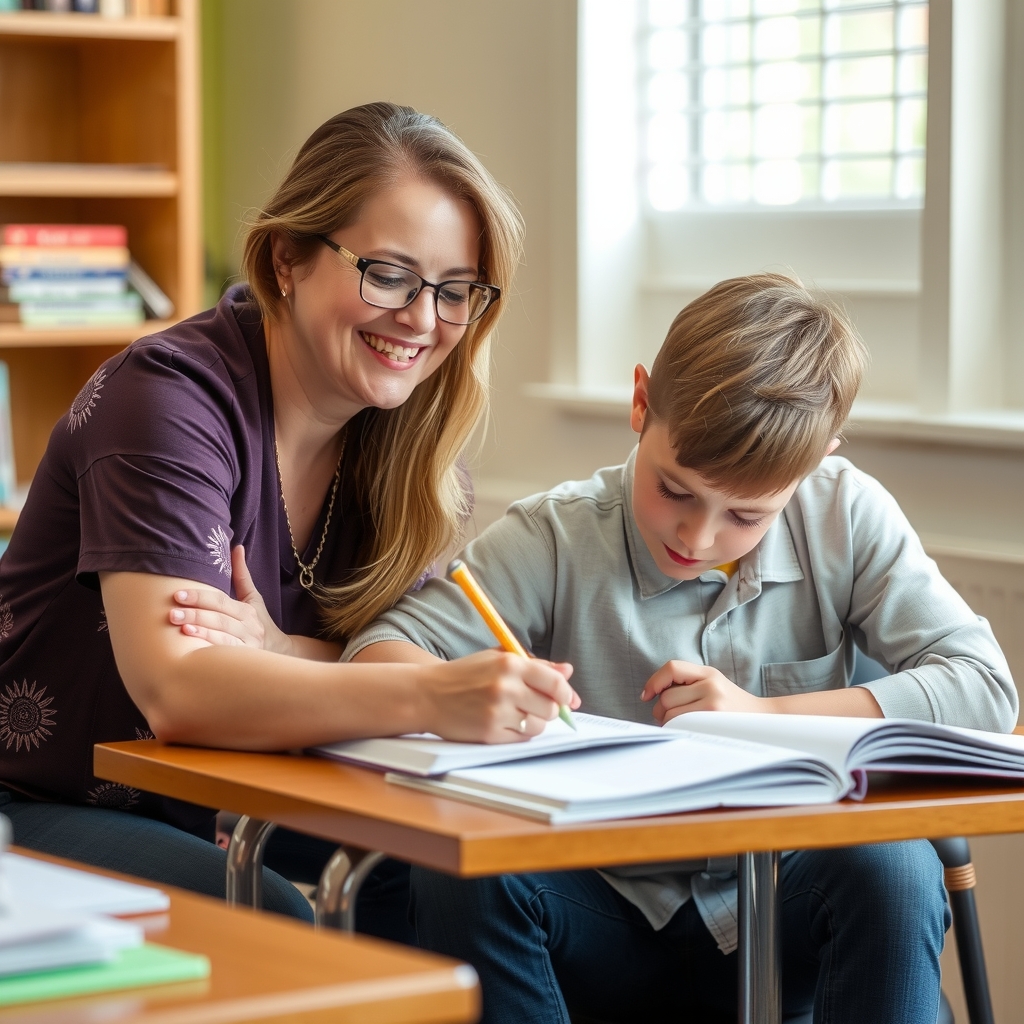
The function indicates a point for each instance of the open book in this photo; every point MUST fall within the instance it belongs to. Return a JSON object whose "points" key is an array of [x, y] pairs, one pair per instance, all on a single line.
{"points": [[426, 754], [726, 759]]}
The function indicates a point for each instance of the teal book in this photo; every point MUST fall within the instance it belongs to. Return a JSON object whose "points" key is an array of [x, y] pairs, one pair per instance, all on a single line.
{"points": [[131, 968]]}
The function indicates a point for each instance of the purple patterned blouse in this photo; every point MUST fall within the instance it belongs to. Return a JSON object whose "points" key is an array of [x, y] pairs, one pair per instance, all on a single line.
{"points": [[163, 463]]}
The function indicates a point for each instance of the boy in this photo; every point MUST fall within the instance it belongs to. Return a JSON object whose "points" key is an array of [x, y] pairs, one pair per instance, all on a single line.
{"points": [[725, 566]]}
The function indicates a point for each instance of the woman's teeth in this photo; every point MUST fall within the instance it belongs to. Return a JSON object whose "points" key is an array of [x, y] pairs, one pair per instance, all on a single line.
{"points": [[397, 352]]}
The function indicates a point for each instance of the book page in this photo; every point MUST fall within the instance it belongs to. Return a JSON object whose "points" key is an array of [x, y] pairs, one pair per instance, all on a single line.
{"points": [[826, 737], [36, 883], [426, 754]]}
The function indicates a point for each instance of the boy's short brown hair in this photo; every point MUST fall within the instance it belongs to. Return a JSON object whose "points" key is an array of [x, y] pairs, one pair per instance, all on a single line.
{"points": [[754, 380]]}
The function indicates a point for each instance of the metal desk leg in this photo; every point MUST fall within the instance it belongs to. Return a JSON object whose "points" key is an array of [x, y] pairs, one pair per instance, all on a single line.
{"points": [[245, 862], [339, 886], [760, 962]]}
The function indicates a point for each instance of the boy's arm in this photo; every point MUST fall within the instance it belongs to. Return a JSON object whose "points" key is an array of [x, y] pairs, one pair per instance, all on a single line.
{"points": [[682, 686], [946, 664], [512, 561]]}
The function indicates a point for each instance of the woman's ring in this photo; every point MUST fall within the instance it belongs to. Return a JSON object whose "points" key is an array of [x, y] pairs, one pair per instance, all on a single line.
{"points": [[522, 725]]}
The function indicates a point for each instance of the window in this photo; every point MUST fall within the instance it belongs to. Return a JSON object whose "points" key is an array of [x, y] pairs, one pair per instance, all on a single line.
{"points": [[686, 132], [779, 102]]}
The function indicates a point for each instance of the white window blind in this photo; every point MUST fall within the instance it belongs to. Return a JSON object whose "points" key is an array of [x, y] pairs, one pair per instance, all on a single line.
{"points": [[783, 102]]}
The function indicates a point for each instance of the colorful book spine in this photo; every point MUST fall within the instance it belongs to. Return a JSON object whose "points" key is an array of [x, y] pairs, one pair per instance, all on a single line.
{"points": [[64, 256], [101, 311], [65, 234], [74, 275], [14, 275], [8, 477], [69, 288]]}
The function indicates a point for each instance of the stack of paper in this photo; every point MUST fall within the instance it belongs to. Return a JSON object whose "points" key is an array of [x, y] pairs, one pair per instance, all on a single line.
{"points": [[715, 759], [30, 882], [37, 939], [54, 941]]}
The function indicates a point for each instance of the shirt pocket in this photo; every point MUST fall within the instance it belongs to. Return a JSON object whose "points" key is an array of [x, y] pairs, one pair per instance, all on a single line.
{"points": [[827, 673]]}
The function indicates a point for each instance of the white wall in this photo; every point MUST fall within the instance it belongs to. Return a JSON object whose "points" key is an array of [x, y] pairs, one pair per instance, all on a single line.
{"points": [[503, 75]]}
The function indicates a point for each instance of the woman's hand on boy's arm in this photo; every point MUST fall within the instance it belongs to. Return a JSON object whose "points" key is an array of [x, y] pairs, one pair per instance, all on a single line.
{"points": [[211, 615], [682, 686]]}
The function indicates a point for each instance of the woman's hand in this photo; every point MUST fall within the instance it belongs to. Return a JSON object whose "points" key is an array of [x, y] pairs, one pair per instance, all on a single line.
{"points": [[687, 687], [213, 616], [495, 697]]}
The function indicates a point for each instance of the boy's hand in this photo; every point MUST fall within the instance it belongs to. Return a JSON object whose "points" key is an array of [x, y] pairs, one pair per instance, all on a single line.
{"points": [[685, 687]]}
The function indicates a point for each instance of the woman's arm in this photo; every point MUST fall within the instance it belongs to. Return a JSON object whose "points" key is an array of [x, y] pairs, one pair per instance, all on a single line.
{"points": [[242, 698]]}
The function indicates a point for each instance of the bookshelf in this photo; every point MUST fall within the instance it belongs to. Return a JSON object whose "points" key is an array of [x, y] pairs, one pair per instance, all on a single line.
{"points": [[100, 124]]}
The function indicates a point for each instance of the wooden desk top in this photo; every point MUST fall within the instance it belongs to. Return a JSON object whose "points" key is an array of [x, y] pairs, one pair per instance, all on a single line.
{"points": [[268, 968], [356, 806]]}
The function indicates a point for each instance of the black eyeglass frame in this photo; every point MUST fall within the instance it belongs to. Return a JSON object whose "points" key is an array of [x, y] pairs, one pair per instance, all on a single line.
{"points": [[361, 263]]}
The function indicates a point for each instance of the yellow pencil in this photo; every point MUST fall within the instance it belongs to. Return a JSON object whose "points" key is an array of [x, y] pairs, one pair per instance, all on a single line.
{"points": [[459, 572]]}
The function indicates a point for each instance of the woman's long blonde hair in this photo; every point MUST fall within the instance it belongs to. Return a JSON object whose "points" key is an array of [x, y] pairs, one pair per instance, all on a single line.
{"points": [[408, 476]]}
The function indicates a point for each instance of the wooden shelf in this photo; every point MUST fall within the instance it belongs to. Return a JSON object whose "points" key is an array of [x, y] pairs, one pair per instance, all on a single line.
{"points": [[99, 124], [8, 517], [17, 336], [86, 26], [65, 179]]}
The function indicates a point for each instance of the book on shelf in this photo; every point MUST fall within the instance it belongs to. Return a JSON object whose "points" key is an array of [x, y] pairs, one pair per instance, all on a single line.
{"points": [[98, 311], [156, 302], [726, 759], [8, 476], [65, 234], [75, 275], [64, 256]]}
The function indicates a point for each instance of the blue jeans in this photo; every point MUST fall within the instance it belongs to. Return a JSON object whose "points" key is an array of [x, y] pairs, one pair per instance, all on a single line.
{"points": [[862, 930], [166, 855]]}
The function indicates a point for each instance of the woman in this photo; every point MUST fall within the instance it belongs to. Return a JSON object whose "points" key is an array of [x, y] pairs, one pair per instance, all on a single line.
{"points": [[314, 420]]}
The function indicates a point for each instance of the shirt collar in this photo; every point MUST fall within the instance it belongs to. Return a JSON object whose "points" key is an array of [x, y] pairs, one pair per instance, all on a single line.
{"points": [[775, 556], [774, 560]]}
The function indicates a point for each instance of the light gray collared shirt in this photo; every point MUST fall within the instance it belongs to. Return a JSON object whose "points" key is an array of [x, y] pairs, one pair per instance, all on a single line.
{"points": [[840, 567]]}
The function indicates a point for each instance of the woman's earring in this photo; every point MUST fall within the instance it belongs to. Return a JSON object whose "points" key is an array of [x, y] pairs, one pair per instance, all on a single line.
{"points": [[284, 293]]}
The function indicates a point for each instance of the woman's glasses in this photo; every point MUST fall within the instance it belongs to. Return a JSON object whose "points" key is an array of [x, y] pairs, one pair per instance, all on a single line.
{"points": [[390, 286]]}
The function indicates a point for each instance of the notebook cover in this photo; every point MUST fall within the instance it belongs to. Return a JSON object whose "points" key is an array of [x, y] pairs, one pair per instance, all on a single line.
{"points": [[132, 968]]}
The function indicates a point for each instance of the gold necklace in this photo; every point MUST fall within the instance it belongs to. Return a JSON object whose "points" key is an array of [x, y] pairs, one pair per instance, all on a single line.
{"points": [[306, 571]]}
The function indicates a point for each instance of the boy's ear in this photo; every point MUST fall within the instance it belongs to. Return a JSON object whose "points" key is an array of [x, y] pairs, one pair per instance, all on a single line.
{"points": [[640, 410], [832, 446]]}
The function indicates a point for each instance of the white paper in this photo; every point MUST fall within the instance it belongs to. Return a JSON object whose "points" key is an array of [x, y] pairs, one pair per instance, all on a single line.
{"points": [[425, 754], [36, 883], [622, 782]]}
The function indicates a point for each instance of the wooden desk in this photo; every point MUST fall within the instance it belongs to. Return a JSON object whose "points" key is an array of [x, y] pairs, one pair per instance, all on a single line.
{"points": [[268, 968], [357, 808]]}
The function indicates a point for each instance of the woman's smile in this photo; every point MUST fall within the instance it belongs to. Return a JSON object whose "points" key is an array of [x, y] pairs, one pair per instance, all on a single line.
{"points": [[393, 352]]}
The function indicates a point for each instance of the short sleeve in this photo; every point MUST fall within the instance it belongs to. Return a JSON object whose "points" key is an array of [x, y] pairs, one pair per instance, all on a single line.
{"points": [[155, 515], [158, 462]]}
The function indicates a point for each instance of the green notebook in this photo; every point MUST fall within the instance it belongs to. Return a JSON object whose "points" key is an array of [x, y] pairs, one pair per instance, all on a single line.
{"points": [[132, 968]]}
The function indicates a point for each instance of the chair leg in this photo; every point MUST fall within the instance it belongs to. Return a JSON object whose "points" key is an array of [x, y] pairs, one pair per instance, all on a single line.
{"points": [[955, 855]]}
